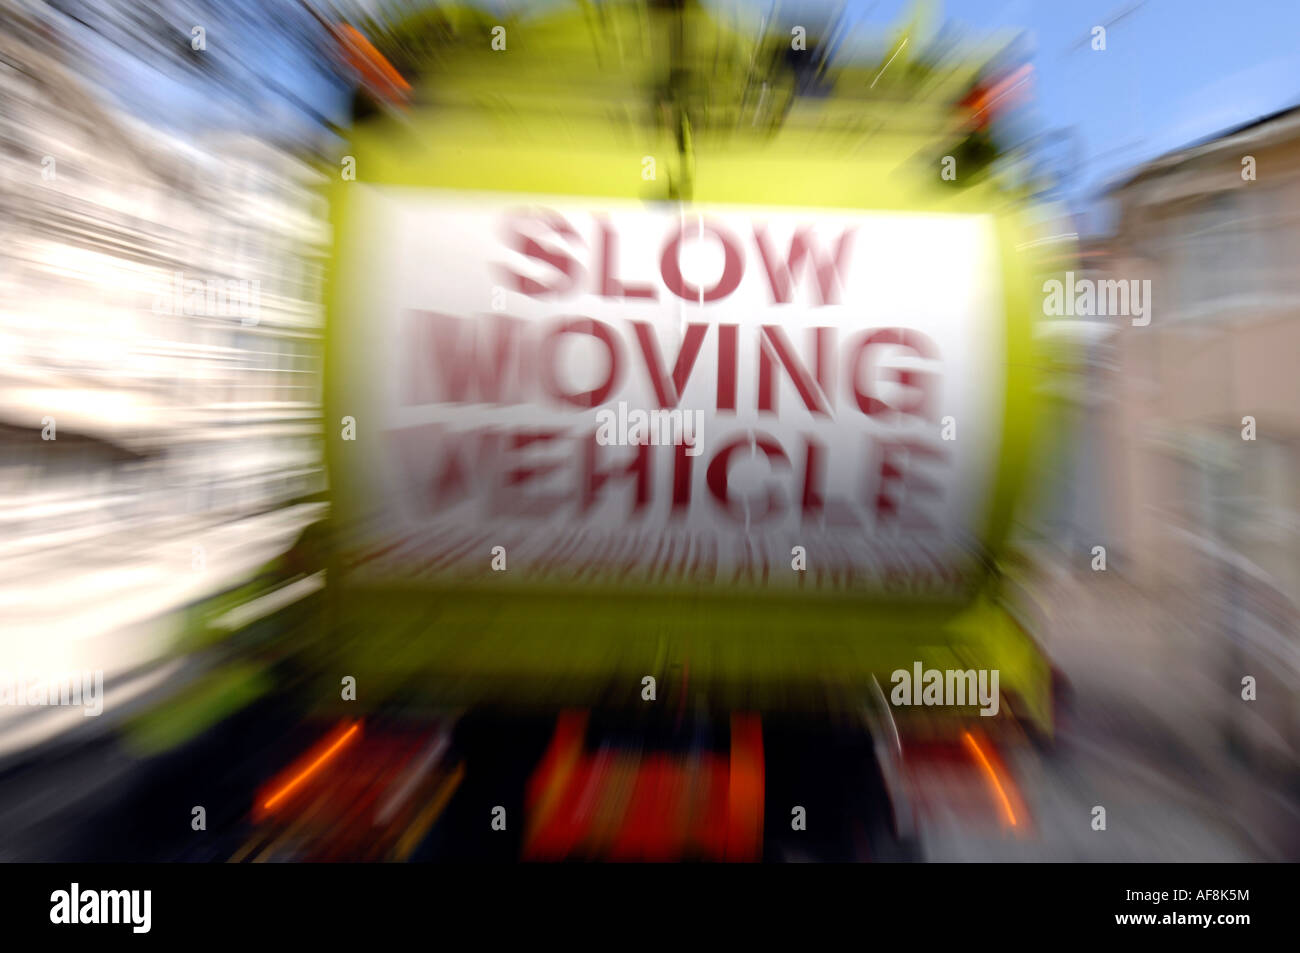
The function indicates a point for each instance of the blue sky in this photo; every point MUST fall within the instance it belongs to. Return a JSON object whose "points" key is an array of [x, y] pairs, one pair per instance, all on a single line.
{"points": [[1173, 71]]}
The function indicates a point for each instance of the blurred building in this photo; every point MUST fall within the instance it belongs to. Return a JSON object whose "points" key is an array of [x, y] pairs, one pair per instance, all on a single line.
{"points": [[1202, 515], [166, 405], [1073, 508]]}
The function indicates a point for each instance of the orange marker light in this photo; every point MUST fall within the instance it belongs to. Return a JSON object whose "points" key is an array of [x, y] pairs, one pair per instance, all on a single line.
{"points": [[992, 775], [375, 72], [314, 766]]}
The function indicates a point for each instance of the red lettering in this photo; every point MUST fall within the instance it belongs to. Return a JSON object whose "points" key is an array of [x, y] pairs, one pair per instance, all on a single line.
{"points": [[781, 277], [774, 341], [557, 258], [669, 391], [732, 269], [550, 357], [717, 478], [681, 479], [898, 474], [593, 479], [523, 504], [441, 476], [470, 357], [728, 354], [920, 382]]}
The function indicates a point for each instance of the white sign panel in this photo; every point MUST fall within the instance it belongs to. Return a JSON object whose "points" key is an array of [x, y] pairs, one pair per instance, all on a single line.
{"points": [[579, 391]]}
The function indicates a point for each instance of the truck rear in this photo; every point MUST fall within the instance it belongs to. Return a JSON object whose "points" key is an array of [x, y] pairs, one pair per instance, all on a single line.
{"points": [[679, 395]]}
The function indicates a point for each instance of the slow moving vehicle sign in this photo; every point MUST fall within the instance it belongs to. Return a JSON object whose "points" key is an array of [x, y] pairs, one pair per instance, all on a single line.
{"points": [[620, 392], [652, 359]]}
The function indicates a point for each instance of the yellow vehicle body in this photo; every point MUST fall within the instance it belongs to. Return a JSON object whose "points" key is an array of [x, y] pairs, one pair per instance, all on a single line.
{"points": [[569, 109]]}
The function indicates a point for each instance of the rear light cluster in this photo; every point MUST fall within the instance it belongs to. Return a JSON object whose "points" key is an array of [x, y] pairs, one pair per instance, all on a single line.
{"points": [[624, 804]]}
